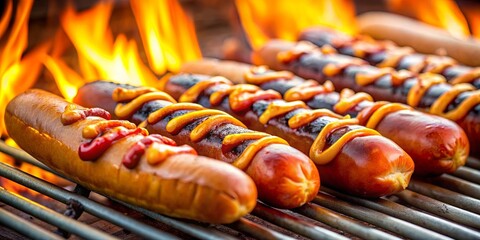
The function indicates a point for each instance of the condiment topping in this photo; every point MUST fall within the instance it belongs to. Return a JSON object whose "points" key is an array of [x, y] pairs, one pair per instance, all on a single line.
{"points": [[211, 119], [425, 81], [92, 150], [308, 90], [467, 77], [394, 56], [261, 74], [276, 109], [94, 130], [192, 93], [441, 104], [324, 156], [279, 107], [156, 147], [366, 78], [158, 152], [72, 114], [349, 99], [141, 95]]}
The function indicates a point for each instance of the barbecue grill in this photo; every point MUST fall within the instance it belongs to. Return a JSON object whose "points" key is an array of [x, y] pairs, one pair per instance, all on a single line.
{"points": [[438, 208]]}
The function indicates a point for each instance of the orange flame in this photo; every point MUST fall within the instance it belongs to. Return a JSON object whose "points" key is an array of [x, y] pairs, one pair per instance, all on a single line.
{"points": [[472, 13], [18, 72], [167, 34], [444, 14], [285, 19]]}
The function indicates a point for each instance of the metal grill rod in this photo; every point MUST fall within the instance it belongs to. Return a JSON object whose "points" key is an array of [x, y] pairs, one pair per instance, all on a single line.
{"points": [[256, 230], [467, 173], [473, 163], [193, 230], [294, 223], [47, 215], [90, 206], [458, 185], [382, 220], [245, 225], [188, 228], [422, 219], [25, 227], [440, 209], [343, 223], [444, 195]]}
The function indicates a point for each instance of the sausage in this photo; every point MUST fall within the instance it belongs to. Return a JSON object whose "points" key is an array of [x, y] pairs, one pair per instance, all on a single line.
{"points": [[388, 54], [421, 36], [159, 175], [427, 92], [285, 177], [349, 157], [436, 144]]}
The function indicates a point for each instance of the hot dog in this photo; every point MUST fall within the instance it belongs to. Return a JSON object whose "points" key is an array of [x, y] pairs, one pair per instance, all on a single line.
{"points": [[122, 161], [284, 177], [427, 92], [437, 145], [388, 54], [350, 157]]}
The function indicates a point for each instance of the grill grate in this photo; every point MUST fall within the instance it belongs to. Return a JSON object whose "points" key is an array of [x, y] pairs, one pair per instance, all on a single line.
{"points": [[440, 208]]}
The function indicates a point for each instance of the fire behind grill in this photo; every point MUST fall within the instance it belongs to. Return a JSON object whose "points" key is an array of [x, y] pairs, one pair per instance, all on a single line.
{"points": [[439, 208]]}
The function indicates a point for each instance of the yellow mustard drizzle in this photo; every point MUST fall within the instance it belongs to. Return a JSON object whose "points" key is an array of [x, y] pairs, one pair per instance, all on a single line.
{"points": [[308, 90], [439, 106], [383, 111], [122, 110], [261, 74], [324, 156], [71, 114], [394, 56], [176, 124], [213, 119], [297, 51], [468, 77], [217, 97], [304, 118], [93, 130], [349, 99], [437, 64], [249, 153], [276, 109], [425, 81], [192, 93], [200, 131], [159, 152], [364, 79]]}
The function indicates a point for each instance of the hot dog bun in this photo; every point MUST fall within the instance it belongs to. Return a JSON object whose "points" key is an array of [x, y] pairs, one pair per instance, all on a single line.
{"points": [[182, 185]]}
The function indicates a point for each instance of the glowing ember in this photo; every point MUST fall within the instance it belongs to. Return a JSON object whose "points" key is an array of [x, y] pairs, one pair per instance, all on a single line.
{"points": [[444, 14], [264, 20]]}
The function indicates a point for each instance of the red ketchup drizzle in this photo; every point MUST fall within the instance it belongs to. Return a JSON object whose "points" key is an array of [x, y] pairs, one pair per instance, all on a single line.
{"points": [[94, 149], [133, 155]]}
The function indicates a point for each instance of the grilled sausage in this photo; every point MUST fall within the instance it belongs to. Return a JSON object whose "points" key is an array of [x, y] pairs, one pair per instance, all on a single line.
{"points": [[436, 144], [427, 92], [349, 157], [388, 54], [122, 161], [284, 177]]}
